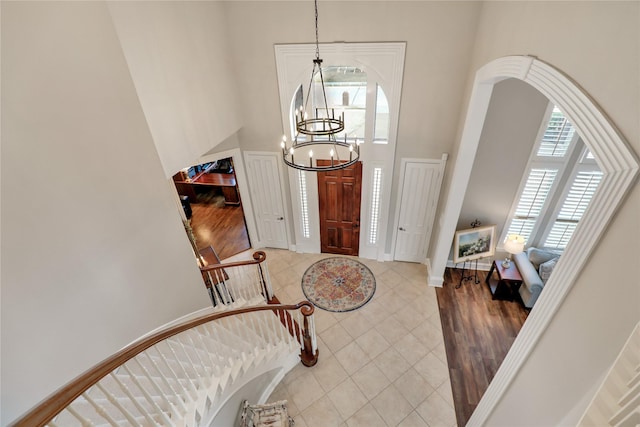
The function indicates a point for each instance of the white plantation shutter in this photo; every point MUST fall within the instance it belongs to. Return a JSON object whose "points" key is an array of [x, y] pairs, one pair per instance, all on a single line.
{"points": [[573, 207], [532, 201], [557, 136], [548, 163]]}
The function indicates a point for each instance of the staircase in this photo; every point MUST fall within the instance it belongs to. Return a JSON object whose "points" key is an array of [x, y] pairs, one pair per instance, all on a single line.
{"points": [[617, 402], [195, 373]]}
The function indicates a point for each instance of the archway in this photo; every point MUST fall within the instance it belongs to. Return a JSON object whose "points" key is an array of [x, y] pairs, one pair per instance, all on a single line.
{"points": [[615, 159]]}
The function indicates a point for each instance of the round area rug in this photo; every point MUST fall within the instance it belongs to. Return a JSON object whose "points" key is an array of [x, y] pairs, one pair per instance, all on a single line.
{"points": [[338, 284]]}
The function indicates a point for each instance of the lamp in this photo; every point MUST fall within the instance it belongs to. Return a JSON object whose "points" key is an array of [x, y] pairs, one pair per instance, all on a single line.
{"points": [[514, 244], [316, 132]]}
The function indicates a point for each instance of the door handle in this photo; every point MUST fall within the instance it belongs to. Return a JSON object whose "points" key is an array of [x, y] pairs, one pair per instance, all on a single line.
{"points": [[402, 229], [280, 218]]}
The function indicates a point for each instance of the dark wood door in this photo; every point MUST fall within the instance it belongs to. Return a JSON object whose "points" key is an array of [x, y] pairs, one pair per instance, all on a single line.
{"points": [[339, 199]]}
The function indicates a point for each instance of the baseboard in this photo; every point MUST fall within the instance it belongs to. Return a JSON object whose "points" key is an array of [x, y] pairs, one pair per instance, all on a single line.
{"points": [[434, 281]]}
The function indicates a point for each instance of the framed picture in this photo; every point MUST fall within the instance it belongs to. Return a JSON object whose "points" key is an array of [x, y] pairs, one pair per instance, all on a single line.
{"points": [[474, 243]]}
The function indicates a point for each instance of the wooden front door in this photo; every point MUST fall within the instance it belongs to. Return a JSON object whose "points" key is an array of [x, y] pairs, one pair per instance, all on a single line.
{"points": [[339, 199]]}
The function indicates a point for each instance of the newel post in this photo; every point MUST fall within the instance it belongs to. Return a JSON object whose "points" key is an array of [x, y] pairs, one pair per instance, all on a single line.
{"points": [[309, 353]]}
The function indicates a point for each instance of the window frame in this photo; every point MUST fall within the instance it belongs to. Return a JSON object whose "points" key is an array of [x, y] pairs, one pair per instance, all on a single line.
{"points": [[584, 164], [551, 204]]}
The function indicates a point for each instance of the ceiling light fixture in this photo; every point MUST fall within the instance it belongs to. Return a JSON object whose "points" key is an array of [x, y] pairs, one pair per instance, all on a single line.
{"points": [[317, 131]]}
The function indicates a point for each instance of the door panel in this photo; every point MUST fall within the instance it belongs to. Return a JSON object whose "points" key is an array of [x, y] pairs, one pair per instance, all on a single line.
{"points": [[339, 199], [266, 195], [419, 195]]}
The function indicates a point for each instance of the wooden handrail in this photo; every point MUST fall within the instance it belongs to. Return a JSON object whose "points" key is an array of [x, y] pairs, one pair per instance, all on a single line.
{"points": [[51, 406], [258, 257]]}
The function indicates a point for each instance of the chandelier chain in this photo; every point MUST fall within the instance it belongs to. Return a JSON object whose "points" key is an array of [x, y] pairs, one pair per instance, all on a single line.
{"points": [[317, 42]]}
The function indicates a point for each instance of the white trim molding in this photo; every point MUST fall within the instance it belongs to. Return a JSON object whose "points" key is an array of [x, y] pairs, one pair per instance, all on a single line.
{"points": [[616, 160]]}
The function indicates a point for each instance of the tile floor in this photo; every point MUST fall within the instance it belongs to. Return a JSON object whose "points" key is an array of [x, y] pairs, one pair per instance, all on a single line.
{"points": [[381, 365]]}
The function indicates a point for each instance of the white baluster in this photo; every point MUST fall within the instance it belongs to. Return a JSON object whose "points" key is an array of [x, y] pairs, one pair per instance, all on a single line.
{"points": [[312, 332], [300, 329], [241, 334], [256, 287], [186, 395], [164, 379], [191, 364], [114, 401], [187, 377], [196, 348], [277, 326], [84, 421], [253, 321], [166, 420], [213, 365], [133, 399]]}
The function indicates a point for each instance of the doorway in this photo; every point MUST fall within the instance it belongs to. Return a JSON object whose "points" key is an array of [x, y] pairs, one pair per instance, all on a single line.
{"points": [[212, 203], [339, 201]]}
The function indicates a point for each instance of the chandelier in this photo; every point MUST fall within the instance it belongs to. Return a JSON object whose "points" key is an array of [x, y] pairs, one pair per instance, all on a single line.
{"points": [[315, 133]]}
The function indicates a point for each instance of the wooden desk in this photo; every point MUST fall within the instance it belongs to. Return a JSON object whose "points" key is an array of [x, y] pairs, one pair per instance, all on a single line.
{"points": [[225, 181]]}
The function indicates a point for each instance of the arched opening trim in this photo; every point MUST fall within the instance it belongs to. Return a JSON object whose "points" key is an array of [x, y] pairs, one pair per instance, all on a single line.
{"points": [[618, 163]]}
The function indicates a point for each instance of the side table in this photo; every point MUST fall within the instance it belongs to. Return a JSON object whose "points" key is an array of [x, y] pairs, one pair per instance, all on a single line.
{"points": [[504, 284]]}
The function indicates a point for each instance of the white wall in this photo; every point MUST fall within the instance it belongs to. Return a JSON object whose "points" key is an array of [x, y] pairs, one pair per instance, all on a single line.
{"points": [[93, 251], [178, 57], [598, 45]]}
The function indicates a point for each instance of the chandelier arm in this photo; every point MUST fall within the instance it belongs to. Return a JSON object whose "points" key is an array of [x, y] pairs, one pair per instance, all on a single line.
{"points": [[306, 102], [324, 94]]}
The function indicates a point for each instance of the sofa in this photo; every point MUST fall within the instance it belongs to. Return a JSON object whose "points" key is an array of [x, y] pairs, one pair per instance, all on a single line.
{"points": [[535, 266]]}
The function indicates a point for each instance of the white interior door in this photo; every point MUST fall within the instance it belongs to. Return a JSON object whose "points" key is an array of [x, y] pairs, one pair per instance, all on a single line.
{"points": [[419, 197], [266, 194]]}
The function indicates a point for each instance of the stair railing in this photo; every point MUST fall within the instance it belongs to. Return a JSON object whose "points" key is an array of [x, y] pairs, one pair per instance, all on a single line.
{"points": [[175, 376], [241, 280]]}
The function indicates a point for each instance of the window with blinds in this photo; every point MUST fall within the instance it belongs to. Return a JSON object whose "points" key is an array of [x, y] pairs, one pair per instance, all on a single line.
{"points": [[554, 161], [304, 206], [532, 201], [573, 207], [557, 136], [375, 205]]}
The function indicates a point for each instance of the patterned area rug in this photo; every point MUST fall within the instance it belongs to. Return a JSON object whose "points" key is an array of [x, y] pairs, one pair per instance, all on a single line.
{"points": [[338, 284]]}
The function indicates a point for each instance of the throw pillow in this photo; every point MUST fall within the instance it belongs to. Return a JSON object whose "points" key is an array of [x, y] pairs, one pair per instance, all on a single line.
{"points": [[539, 256], [546, 268]]}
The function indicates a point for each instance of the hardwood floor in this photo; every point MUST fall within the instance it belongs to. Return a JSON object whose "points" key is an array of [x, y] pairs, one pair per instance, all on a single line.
{"points": [[220, 226], [478, 333]]}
